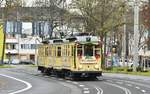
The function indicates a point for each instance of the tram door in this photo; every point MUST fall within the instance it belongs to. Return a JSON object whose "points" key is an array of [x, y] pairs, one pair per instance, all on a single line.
{"points": [[71, 57], [58, 53], [68, 56]]}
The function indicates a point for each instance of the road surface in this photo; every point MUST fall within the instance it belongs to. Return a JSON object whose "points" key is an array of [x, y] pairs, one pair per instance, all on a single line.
{"points": [[29, 81]]}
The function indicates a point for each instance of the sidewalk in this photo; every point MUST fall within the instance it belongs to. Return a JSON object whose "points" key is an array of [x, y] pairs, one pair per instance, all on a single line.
{"points": [[127, 76]]}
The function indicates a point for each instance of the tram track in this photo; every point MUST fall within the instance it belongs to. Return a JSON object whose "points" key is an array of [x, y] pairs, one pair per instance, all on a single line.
{"points": [[127, 91]]}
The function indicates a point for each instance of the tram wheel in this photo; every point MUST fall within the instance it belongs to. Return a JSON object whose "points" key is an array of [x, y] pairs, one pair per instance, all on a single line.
{"points": [[68, 75]]}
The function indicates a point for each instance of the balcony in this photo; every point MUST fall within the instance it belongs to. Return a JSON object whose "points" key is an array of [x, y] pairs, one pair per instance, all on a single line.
{"points": [[11, 51], [13, 40], [146, 53]]}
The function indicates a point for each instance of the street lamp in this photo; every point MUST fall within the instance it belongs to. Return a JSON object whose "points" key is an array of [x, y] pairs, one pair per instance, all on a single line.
{"points": [[9, 57], [144, 65], [37, 40], [136, 34]]}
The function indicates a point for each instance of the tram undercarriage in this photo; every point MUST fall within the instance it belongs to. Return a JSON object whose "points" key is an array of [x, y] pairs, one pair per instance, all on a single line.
{"points": [[67, 74]]}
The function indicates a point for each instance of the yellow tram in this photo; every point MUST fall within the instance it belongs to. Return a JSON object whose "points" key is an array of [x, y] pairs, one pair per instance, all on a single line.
{"points": [[72, 57]]}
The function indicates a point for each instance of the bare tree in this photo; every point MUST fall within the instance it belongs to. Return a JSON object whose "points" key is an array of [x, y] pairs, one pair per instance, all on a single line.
{"points": [[54, 12], [101, 16], [9, 6]]}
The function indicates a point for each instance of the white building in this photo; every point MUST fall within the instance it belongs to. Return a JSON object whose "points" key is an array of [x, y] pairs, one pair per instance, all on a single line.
{"points": [[12, 46], [22, 48], [28, 48]]}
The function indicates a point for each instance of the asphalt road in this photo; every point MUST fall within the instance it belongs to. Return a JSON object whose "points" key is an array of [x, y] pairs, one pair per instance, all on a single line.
{"points": [[42, 84]]}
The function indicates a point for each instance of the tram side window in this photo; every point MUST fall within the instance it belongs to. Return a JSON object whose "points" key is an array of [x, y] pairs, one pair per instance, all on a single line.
{"points": [[79, 50], [46, 51], [55, 51], [88, 50], [68, 50], [59, 51], [52, 50], [72, 51], [64, 50], [50, 53], [41, 51]]}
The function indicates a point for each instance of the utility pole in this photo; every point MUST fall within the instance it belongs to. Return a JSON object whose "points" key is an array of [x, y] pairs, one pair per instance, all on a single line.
{"points": [[124, 42], [149, 26], [136, 35], [4, 17]]}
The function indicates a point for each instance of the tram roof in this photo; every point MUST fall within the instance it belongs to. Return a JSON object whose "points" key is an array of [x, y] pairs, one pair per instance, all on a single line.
{"points": [[84, 39], [77, 39]]}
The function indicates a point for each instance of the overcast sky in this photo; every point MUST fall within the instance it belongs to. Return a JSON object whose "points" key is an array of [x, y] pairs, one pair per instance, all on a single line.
{"points": [[29, 2]]}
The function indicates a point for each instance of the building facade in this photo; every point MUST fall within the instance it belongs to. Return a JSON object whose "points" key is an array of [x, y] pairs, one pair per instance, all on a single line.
{"points": [[20, 46]]}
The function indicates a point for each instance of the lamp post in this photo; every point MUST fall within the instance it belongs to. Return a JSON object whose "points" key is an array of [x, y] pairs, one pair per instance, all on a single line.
{"points": [[136, 35], [37, 41], [144, 65], [9, 57], [124, 43], [36, 50]]}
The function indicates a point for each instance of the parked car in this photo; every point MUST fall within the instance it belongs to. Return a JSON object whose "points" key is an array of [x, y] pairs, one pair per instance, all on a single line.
{"points": [[128, 63], [6, 61], [26, 62]]}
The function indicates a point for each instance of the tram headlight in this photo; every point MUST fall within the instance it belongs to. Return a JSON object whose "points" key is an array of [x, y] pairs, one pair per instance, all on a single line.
{"points": [[80, 66], [96, 66]]}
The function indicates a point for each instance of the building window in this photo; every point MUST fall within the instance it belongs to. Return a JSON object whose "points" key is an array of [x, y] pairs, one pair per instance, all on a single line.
{"points": [[21, 46], [32, 46], [11, 46], [13, 35]]}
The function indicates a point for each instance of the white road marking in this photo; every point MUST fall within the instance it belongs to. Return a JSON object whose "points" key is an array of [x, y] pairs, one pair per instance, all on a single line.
{"points": [[127, 91], [119, 82], [85, 88], [109, 80], [22, 90], [46, 76], [81, 85], [137, 87], [99, 90], [74, 89], [53, 77], [75, 82], [68, 81], [128, 84], [139, 84], [85, 92], [60, 79], [143, 91]]}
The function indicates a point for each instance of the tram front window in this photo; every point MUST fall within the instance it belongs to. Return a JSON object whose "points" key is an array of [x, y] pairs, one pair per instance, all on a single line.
{"points": [[88, 50]]}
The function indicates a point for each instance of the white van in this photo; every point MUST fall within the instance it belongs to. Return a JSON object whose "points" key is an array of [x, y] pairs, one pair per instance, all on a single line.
{"points": [[15, 61]]}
